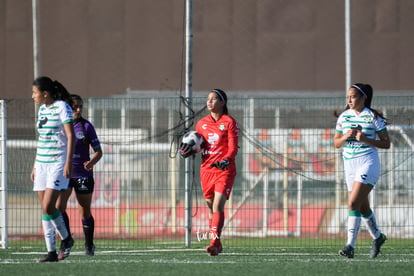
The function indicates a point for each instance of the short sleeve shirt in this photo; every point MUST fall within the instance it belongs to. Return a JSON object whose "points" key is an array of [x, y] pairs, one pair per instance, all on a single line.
{"points": [[52, 141], [371, 126], [85, 136]]}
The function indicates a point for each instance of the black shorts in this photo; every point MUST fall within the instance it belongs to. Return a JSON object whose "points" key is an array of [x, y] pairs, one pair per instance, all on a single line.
{"points": [[82, 185]]}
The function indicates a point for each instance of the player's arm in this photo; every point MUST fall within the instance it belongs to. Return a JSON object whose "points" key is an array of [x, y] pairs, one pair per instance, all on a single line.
{"points": [[32, 174], [340, 138], [232, 146], [97, 155], [233, 143], [96, 146], [68, 128], [383, 142]]}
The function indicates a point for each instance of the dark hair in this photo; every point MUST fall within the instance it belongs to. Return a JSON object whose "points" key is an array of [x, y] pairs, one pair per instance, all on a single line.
{"points": [[85, 139], [56, 90], [366, 91], [223, 97], [76, 97]]}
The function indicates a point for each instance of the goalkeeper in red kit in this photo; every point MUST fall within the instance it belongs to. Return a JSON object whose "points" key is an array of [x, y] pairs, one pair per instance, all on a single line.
{"points": [[218, 167]]}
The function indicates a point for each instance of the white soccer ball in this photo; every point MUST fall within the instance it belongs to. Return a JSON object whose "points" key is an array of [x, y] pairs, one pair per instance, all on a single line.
{"points": [[194, 139]]}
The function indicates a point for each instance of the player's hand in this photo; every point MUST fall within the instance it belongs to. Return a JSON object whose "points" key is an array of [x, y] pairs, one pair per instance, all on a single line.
{"points": [[186, 150], [32, 174], [221, 165], [359, 136], [355, 130], [67, 171], [87, 165], [350, 134]]}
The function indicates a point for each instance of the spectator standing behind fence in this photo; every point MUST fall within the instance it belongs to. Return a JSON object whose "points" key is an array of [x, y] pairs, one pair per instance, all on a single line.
{"points": [[218, 166], [53, 163], [82, 180], [357, 129]]}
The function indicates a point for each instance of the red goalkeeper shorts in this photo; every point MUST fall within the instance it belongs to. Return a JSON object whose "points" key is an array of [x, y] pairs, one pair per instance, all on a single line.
{"points": [[221, 182]]}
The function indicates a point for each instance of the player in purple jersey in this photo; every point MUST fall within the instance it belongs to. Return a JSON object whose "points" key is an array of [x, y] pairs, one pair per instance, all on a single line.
{"points": [[82, 179]]}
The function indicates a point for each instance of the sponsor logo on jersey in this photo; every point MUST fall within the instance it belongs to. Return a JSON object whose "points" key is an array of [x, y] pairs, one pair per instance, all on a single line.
{"points": [[42, 121], [212, 138], [80, 135]]}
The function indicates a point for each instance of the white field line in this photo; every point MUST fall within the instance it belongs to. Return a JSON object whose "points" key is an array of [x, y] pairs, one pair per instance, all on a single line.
{"points": [[116, 257], [210, 260]]}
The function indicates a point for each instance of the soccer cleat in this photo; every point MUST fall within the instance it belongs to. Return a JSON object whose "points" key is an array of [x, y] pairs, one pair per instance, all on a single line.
{"points": [[348, 251], [376, 245], [49, 257], [212, 250], [219, 247], [90, 250], [65, 248]]}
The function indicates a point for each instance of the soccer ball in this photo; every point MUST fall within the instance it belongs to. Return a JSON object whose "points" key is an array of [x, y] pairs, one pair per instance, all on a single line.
{"points": [[194, 139]]}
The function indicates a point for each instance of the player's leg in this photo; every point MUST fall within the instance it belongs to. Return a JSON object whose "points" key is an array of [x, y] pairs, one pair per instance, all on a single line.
{"points": [[49, 235], [368, 217], [357, 197], [88, 221], [39, 185], [372, 172], [378, 238], [62, 205], [56, 183], [217, 223], [222, 189], [52, 221], [208, 180], [209, 202], [52, 214]]}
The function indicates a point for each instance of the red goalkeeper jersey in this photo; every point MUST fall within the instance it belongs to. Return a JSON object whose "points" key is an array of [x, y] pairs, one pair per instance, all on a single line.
{"points": [[220, 141]]}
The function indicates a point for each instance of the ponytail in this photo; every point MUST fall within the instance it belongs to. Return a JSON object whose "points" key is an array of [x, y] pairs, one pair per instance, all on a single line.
{"points": [[62, 93], [56, 90]]}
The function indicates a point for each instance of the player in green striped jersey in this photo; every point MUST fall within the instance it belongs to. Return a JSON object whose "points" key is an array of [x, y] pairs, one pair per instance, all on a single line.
{"points": [[53, 163], [356, 132]]}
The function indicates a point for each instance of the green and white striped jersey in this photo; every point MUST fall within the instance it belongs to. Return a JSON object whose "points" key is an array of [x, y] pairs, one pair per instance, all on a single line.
{"points": [[52, 141], [370, 127]]}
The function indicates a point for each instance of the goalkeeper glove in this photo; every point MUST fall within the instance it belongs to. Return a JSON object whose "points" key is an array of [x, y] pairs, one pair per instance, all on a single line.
{"points": [[186, 150], [221, 165]]}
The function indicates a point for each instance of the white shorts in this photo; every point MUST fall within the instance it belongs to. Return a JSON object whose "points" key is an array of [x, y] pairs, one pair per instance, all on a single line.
{"points": [[365, 169], [49, 175]]}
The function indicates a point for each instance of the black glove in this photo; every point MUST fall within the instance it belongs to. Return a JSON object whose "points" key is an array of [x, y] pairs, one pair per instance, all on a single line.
{"points": [[186, 150], [221, 165]]}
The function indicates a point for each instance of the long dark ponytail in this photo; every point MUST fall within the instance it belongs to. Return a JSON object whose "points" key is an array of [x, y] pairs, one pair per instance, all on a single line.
{"points": [[56, 90], [367, 92]]}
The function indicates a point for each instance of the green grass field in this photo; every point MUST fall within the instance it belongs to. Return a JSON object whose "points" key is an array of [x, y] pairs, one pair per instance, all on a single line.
{"points": [[239, 258]]}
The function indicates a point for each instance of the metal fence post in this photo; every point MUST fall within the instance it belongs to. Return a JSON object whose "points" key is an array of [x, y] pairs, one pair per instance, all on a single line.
{"points": [[3, 172]]}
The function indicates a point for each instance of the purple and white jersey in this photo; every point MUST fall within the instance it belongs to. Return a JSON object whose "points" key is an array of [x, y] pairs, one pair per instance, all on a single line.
{"points": [[85, 135]]}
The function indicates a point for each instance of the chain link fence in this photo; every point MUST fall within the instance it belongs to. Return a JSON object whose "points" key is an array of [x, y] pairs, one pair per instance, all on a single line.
{"points": [[290, 179]]}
